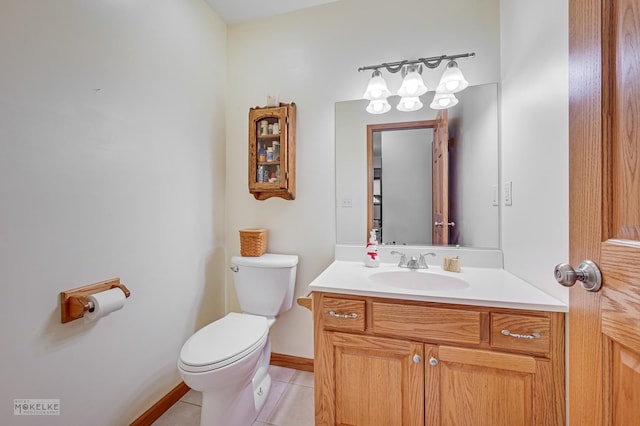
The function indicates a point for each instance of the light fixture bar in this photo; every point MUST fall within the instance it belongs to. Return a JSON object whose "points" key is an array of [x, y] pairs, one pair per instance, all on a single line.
{"points": [[431, 62]]}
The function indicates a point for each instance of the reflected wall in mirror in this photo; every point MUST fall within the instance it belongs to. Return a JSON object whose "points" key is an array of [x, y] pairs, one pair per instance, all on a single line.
{"points": [[385, 177]]}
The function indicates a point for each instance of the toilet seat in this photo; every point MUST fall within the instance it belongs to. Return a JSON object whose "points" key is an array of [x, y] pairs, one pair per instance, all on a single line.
{"points": [[223, 342]]}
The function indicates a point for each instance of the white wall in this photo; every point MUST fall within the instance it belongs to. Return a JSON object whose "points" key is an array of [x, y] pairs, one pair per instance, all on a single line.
{"points": [[474, 163], [112, 164], [535, 139], [311, 57]]}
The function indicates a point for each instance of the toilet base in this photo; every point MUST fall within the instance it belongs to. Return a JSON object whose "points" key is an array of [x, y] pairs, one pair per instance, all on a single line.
{"points": [[243, 411], [218, 409], [261, 392]]}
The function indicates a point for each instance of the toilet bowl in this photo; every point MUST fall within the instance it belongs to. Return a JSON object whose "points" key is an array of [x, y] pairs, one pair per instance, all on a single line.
{"points": [[222, 360], [228, 360]]}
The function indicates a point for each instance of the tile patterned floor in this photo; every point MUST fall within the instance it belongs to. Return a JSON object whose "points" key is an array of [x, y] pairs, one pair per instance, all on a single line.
{"points": [[290, 403]]}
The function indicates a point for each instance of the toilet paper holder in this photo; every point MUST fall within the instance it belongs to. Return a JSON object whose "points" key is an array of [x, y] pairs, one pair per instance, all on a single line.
{"points": [[74, 303]]}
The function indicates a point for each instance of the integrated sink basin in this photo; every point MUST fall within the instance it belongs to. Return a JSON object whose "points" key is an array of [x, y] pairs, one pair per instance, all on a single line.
{"points": [[419, 280]]}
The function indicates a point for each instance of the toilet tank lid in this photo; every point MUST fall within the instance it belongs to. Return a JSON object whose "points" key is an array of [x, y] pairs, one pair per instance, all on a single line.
{"points": [[267, 260]]}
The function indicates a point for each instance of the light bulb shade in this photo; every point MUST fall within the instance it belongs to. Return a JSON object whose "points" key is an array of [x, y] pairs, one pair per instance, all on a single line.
{"points": [[443, 101], [377, 88], [409, 103], [412, 85], [452, 80], [378, 106]]}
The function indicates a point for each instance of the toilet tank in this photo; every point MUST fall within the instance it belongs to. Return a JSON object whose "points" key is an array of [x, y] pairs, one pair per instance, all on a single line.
{"points": [[265, 284]]}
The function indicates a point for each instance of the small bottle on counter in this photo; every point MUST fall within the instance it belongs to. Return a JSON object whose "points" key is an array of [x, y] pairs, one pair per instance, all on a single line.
{"points": [[371, 258]]}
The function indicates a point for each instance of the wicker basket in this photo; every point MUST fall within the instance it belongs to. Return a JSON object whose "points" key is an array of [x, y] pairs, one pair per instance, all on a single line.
{"points": [[253, 242]]}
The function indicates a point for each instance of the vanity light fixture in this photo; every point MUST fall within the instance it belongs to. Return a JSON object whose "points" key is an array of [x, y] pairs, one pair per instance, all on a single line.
{"points": [[452, 80], [412, 86], [443, 101], [411, 89], [378, 106], [409, 103], [377, 93]]}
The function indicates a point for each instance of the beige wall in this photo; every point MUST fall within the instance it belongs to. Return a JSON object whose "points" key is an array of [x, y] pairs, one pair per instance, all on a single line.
{"points": [[311, 57], [111, 164]]}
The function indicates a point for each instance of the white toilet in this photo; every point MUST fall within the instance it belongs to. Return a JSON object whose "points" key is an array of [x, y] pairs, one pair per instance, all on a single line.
{"points": [[228, 360]]}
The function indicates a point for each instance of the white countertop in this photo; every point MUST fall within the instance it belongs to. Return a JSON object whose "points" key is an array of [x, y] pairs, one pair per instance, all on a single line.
{"points": [[492, 287]]}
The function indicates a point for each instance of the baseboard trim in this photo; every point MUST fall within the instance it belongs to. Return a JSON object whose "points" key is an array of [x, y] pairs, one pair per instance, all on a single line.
{"points": [[174, 395], [159, 408], [290, 361]]}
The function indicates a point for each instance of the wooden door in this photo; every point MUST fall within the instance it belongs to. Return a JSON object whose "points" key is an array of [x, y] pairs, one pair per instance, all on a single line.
{"points": [[604, 131], [440, 179], [375, 381], [472, 387]]}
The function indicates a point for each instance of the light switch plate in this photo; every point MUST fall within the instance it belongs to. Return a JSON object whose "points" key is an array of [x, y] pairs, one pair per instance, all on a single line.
{"points": [[347, 203], [507, 192]]}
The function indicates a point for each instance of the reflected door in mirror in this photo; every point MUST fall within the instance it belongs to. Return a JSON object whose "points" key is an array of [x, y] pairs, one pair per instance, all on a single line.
{"points": [[440, 170]]}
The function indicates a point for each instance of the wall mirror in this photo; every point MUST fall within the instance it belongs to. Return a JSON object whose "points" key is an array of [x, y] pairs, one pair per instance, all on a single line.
{"points": [[385, 175]]}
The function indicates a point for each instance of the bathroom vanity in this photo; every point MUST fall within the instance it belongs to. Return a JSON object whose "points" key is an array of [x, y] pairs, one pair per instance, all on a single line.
{"points": [[431, 347]]}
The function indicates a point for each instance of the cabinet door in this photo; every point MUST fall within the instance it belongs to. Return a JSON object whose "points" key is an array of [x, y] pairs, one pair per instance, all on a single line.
{"points": [[272, 152], [268, 148], [477, 387], [370, 381]]}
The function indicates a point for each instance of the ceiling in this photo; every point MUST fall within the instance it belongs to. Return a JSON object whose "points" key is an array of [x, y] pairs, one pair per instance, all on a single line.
{"points": [[235, 11]]}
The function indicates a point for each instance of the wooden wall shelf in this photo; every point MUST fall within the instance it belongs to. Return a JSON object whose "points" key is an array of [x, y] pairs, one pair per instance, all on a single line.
{"points": [[272, 152]]}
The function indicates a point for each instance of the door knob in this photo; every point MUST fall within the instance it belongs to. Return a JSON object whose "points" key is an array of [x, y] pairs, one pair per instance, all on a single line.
{"points": [[587, 273], [442, 223]]}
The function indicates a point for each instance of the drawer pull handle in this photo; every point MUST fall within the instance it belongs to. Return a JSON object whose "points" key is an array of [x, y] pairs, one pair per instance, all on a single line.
{"points": [[337, 315], [521, 336]]}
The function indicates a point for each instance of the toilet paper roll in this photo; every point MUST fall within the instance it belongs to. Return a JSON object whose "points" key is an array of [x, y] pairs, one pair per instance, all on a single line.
{"points": [[104, 303]]}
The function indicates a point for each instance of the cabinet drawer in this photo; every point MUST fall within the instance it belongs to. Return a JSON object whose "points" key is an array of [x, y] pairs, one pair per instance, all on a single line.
{"points": [[343, 314], [427, 323], [521, 333]]}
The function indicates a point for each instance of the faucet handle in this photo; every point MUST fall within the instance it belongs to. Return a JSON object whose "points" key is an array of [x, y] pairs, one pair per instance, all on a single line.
{"points": [[403, 258], [422, 262]]}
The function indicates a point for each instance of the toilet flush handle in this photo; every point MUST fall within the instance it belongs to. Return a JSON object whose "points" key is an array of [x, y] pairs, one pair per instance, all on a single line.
{"points": [[234, 268]]}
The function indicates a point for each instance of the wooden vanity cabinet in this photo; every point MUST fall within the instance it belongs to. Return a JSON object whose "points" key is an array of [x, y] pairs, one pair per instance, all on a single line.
{"points": [[272, 152], [388, 362]]}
